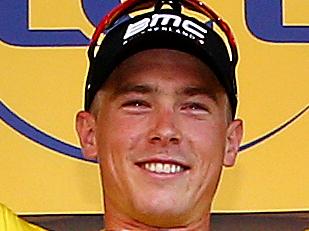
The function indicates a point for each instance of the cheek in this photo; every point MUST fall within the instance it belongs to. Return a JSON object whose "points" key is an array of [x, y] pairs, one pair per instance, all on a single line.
{"points": [[207, 140], [119, 134], [118, 139]]}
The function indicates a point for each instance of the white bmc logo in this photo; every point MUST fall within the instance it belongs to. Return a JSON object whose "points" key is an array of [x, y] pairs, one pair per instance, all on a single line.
{"points": [[164, 22]]}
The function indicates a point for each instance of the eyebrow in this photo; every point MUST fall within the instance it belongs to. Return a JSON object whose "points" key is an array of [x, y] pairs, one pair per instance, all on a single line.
{"points": [[123, 89], [193, 91], [127, 88]]}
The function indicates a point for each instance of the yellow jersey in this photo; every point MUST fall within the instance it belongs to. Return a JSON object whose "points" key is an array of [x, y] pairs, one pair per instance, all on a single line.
{"points": [[11, 222]]}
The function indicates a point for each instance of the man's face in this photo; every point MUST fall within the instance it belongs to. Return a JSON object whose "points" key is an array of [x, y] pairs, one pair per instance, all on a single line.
{"points": [[161, 135]]}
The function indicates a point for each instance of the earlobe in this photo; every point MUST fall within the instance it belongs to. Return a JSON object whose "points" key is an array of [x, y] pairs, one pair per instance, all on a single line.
{"points": [[85, 127], [233, 140]]}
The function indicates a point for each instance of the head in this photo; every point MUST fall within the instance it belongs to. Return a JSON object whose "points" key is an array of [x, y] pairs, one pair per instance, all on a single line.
{"points": [[161, 127]]}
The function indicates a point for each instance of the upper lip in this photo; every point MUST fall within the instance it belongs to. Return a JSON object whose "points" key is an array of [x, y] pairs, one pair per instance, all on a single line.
{"points": [[164, 160]]}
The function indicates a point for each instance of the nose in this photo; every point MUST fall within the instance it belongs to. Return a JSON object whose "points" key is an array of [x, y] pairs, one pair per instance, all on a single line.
{"points": [[164, 129]]}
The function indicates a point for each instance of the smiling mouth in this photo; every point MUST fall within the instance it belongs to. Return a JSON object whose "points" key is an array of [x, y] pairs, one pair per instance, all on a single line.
{"points": [[163, 168]]}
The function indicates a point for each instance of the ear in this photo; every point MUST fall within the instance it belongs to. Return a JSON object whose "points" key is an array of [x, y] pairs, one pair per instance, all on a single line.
{"points": [[234, 136], [85, 127]]}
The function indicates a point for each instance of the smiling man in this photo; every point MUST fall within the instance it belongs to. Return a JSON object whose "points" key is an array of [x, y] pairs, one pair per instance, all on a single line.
{"points": [[159, 118]]}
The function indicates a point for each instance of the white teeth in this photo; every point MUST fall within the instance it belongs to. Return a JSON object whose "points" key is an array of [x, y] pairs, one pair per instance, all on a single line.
{"points": [[152, 167], [159, 168], [147, 166], [163, 168], [173, 168], [166, 168]]}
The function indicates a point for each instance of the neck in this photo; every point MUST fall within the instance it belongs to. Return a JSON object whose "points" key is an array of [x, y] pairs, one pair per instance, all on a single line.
{"points": [[115, 220]]}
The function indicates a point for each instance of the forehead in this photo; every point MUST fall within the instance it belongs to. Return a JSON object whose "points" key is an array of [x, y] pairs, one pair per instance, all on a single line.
{"points": [[155, 66]]}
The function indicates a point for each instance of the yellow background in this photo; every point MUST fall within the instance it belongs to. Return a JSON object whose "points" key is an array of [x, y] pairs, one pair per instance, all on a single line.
{"points": [[44, 86]]}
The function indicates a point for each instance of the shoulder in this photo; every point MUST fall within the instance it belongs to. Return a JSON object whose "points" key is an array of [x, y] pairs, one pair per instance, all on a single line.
{"points": [[10, 221]]}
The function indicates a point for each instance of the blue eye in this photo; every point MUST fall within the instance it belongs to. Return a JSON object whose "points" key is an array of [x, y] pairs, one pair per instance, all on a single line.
{"points": [[136, 106], [193, 107], [196, 106], [135, 103]]}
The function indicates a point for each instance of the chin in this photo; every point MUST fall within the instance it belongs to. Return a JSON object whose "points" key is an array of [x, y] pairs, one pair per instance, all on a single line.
{"points": [[162, 212], [164, 219]]}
